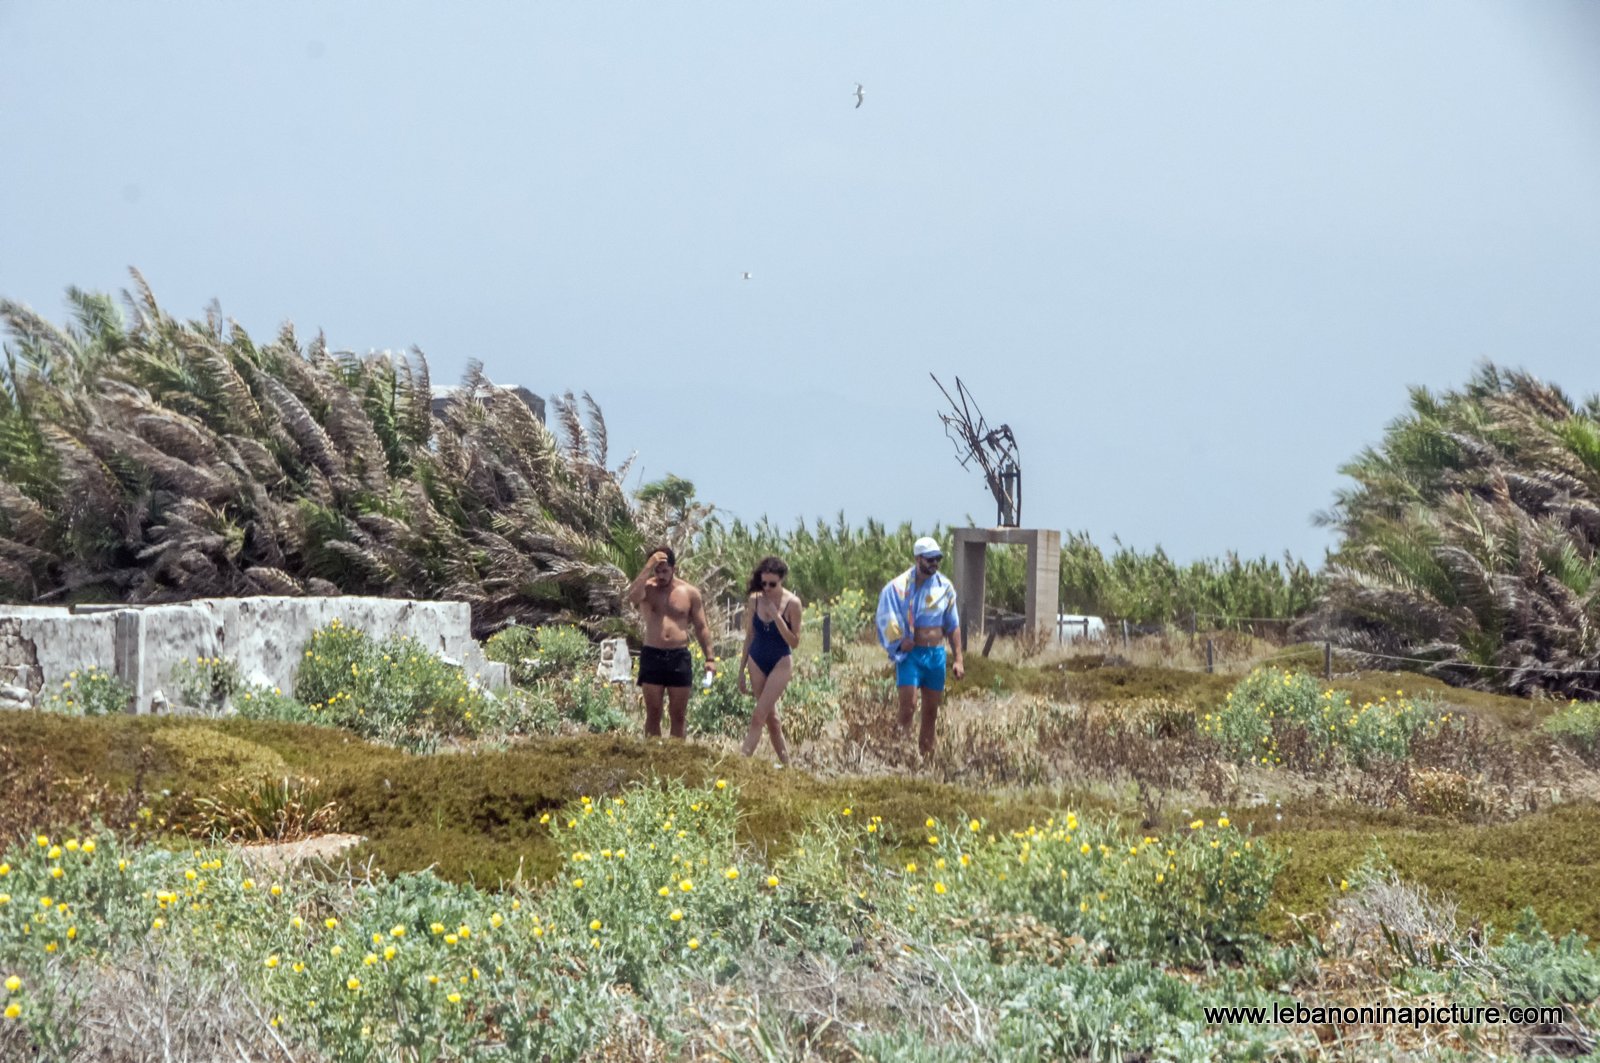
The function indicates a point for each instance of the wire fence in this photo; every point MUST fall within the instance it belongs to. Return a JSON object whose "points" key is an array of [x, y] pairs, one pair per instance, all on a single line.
{"points": [[1329, 650], [730, 615]]}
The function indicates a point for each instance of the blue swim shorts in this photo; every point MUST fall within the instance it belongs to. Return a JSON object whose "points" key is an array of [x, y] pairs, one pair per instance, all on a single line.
{"points": [[923, 668]]}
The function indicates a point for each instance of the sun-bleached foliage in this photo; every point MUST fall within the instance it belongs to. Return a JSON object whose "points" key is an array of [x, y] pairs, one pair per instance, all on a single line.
{"points": [[148, 459]]}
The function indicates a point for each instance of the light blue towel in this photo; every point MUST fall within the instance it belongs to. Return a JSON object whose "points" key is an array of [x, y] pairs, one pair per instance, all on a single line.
{"points": [[935, 607]]}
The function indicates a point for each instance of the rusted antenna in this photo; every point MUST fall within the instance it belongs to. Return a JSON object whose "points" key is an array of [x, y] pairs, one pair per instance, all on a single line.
{"points": [[994, 450]]}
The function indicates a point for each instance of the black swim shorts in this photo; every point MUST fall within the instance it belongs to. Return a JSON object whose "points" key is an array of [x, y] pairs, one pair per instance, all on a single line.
{"points": [[666, 668]]}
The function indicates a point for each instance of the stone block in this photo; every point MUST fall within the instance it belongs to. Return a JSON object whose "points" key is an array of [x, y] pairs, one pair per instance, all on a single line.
{"points": [[616, 663]]}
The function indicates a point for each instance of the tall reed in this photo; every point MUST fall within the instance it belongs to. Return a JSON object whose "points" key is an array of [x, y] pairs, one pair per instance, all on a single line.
{"points": [[1143, 588]]}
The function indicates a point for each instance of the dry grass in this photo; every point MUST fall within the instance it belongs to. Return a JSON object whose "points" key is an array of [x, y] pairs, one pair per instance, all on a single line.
{"points": [[262, 809], [1231, 652], [806, 1006], [1016, 739], [37, 794], [156, 1003], [1385, 926], [1069, 718]]}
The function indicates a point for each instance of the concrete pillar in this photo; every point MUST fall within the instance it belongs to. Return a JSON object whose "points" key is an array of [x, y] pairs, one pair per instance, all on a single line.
{"points": [[970, 579], [1042, 592], [129, 656], [1042, 589]]}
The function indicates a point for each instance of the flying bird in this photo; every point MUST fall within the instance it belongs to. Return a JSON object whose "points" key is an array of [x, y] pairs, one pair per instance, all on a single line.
{"points": [[861, 94], [747, 275]]}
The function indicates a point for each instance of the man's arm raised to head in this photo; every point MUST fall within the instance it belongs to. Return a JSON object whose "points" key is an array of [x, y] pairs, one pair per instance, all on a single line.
{"points": [[636, 591]]}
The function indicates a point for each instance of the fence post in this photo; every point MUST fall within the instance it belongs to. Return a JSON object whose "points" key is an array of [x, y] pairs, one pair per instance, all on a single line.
{"points": [[1327, 661], [1194, 623], [1209, 657], [827, 632], [1124, 634]]}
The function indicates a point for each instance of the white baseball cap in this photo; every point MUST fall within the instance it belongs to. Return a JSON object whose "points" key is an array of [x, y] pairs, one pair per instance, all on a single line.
{"points": [[927, 546]]}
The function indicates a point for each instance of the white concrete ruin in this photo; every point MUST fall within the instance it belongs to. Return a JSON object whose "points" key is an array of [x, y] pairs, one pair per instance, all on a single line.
{"points": [[265, 637]]}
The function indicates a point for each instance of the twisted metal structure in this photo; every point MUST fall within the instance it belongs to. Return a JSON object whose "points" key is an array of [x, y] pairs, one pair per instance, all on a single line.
{"points": [[993, 450]]}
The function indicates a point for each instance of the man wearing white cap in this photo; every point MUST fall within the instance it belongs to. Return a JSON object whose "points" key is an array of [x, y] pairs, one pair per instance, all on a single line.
{"points": [[916, 613]]}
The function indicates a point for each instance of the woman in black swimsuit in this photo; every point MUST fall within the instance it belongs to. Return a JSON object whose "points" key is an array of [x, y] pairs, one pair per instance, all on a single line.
{"points": [[772, 633]]}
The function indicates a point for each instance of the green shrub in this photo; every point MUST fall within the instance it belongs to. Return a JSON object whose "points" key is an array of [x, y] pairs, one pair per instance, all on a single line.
{"points": [[393, 690], [1539, 969], [1577, 726], [1194, 896], [530, 710], [564, 647], [271, 703], [540, 652], [353, 969], [851, 616], [516, 648], [206, 682], [590, 701], [1272, 716], [88, 692], [647, 900], [721, 709]]}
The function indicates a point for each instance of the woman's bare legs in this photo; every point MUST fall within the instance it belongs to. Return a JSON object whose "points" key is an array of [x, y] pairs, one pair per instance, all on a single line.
{"points": [[768, 689]]}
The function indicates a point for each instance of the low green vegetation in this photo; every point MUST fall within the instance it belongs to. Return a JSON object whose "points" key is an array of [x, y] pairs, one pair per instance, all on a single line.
{"points": [[1089, 829], [389, 690], [1272, 714], [1578, 727], [88, 692], [534, 653], [207, 683], [1070, 937]]}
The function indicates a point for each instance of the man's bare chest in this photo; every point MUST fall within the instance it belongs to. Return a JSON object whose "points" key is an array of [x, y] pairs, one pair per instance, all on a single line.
{"points": [[672, 604]]}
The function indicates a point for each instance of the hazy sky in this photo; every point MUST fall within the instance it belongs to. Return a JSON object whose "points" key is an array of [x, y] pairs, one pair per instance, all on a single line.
{"points": [[1193, 253]]}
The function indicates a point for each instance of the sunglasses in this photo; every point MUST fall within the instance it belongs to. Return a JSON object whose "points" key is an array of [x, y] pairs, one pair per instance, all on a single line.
{"points": [[770, 583], [934, 560]]}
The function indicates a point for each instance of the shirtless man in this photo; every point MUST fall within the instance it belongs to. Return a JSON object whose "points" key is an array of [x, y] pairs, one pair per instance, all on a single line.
{"points": [[670, 607]]}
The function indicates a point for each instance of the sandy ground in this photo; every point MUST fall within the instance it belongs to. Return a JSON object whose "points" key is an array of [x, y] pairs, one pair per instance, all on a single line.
{"points": [[280, 856]]}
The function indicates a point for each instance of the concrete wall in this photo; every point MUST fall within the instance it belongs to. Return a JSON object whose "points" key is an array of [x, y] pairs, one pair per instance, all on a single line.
{"points": [[264, 636], [40, 645]]}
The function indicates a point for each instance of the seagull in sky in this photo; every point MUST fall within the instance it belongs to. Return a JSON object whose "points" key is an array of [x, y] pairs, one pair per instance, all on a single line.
{"points": [[861, 94], [747, 275]]}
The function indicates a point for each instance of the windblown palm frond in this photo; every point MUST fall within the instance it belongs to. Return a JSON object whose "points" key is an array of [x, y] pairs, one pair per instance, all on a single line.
{"points": [[1470, 539], [166, 459]]}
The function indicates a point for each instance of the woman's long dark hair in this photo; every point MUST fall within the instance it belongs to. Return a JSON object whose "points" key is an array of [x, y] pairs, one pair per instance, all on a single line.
{"points": [[774, 565]]}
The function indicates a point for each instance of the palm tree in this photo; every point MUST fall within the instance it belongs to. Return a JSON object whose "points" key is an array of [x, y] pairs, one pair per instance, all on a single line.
{"points": [[147, 459], [1469, 539]]}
